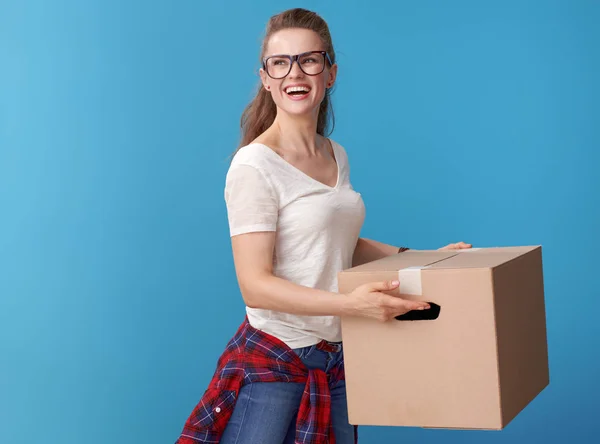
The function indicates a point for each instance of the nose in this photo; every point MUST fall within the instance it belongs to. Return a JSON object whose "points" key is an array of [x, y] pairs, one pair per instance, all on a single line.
{"points": [[295, 71]]}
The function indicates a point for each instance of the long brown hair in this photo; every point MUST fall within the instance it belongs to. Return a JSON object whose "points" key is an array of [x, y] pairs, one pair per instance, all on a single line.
{"points": [[259, 115]]}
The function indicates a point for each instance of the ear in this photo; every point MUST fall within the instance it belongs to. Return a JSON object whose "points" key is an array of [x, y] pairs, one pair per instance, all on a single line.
{"points": [[332, 74], [263, 77]]}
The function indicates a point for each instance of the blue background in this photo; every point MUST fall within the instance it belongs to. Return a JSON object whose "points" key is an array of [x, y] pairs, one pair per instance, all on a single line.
{"points": [[463, 120]]}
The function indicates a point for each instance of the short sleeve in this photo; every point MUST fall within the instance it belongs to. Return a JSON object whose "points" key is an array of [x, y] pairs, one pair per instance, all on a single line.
{"points": [[251, 202]]}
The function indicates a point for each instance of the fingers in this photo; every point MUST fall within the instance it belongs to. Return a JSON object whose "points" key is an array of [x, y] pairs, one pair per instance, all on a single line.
{"points": [[395, 301], [404, 304], [395, 306], [456, 246], [392, 306], [416, 305], [412, 305], [384, 285]]}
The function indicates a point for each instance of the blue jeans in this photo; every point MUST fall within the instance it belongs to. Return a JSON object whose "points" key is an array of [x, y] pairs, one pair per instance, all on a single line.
{"points": [[265, 412]]}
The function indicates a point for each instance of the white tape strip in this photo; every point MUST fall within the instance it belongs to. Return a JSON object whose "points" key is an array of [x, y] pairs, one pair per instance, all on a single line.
{"points": [[410, 280], [467, 250]]}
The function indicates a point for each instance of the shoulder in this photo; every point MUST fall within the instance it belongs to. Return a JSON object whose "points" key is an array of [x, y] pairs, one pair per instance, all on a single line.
{"points": [[339, 150], [255, 155], [251, 168]]}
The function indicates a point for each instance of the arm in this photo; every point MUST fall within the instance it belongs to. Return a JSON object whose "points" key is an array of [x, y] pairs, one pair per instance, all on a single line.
{"points": [[253, 258], [368, 250]]}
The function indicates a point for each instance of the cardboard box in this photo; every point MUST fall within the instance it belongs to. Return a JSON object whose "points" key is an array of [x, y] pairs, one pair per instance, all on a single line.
{"points": [[476, 366]]}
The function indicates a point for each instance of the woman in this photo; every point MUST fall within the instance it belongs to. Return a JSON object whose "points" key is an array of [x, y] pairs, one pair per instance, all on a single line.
{"points": [[294, 221]]}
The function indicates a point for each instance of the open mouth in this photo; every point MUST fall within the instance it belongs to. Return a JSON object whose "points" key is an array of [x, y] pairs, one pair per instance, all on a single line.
{"points": [[297, 91]]}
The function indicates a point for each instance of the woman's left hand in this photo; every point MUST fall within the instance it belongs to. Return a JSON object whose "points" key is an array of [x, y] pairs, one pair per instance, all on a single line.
{"points": [[456, 246]]}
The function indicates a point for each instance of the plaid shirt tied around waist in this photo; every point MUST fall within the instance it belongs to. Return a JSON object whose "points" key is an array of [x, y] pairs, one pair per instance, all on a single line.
{"points": [[255, 356]]}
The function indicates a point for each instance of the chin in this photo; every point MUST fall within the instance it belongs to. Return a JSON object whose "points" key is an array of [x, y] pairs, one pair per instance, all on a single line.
{"points": [[300, 109], [299, 112], [307, 107]]}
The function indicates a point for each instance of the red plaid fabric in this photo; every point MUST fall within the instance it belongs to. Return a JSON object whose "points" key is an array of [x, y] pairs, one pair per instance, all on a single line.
{"points": [[255, 356]]}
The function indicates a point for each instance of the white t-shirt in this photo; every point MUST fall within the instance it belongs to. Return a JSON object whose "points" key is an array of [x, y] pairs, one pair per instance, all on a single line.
{"points": [[317, 227]]}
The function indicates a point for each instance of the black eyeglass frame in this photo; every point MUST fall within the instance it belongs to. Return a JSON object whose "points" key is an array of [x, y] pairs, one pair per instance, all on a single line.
{"points": [[295, 58]]}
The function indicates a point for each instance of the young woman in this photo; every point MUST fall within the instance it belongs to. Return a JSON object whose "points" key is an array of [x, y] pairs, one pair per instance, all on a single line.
{"points": [[294, 221]]}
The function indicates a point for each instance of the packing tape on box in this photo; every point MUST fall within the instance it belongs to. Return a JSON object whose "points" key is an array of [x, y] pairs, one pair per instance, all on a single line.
{"points": [[410, 277], [410, 280]]}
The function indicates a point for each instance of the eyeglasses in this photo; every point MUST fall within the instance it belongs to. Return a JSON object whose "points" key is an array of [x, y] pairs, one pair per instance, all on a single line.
{"points": [[311, 63]]}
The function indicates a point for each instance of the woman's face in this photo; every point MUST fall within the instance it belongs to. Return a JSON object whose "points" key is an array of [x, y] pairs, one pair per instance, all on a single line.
{"points": [[310, 89]]}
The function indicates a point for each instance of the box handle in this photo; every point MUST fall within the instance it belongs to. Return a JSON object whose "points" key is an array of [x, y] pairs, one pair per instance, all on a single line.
{"points": [[421, 315]]}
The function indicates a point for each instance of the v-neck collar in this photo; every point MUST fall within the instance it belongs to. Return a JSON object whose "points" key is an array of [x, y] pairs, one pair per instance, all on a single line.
{"points": [[302, 173]]}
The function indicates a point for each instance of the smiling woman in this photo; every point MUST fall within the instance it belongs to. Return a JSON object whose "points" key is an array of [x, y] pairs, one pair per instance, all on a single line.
{"points": [[294, 220], [286, 32]]}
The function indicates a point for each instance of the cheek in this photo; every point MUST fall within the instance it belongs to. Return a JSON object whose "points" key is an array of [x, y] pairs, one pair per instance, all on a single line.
{"points": [[276, 93], [321, 86], [323, 81], [273, 88]]}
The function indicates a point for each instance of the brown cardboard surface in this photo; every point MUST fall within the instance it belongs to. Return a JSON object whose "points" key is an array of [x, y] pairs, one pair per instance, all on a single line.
{"points": [[407, 259], [483, 258], [521, 319], [476, 366]]}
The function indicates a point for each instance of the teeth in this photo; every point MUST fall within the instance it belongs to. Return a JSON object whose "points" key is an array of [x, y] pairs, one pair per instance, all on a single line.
{"points": [[297, 88]]}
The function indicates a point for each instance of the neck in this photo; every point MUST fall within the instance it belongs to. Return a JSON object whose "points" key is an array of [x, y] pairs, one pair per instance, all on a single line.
{"points": [[296, 133]]}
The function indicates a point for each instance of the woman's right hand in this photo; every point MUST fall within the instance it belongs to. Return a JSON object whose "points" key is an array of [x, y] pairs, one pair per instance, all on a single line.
{"points": [[368, 301]]}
